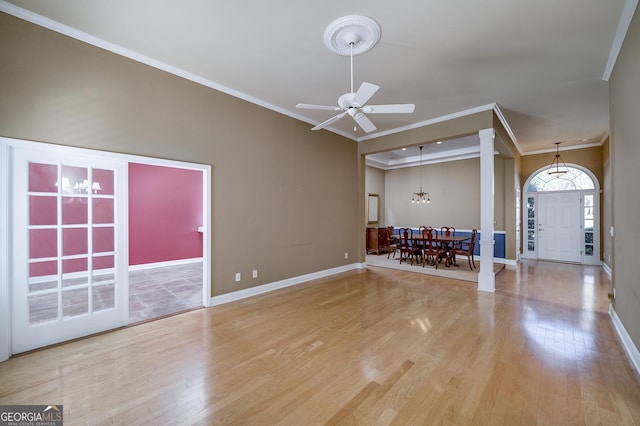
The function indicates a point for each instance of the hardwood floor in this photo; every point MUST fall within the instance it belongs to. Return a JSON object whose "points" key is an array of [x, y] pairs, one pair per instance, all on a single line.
{"points": [[375, 346]]}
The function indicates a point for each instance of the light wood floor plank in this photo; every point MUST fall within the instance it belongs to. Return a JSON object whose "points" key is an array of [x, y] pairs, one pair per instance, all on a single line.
{"points": [[369, 347]]}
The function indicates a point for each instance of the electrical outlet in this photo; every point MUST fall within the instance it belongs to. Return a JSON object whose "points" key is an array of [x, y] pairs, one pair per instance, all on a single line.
{"points": [[255, 273], [346, 255], [238, 276]]}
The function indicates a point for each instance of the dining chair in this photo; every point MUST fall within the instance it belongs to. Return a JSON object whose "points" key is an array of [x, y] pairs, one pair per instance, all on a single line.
{"points": [[449, 231], [431, 250], [419, 243], [405, 244], [422, 228], [465, 248], [393, 242]]}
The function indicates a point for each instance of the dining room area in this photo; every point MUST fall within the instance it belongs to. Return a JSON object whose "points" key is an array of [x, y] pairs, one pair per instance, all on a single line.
{"points": [[422, 210], [442, 252]]}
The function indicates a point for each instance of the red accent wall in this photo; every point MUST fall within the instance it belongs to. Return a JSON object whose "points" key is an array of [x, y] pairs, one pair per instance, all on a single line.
{"points": [[165, 211]]}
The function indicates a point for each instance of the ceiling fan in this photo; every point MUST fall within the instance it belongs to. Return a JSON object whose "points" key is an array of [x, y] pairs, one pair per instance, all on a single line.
{"points": [[350, 31]]}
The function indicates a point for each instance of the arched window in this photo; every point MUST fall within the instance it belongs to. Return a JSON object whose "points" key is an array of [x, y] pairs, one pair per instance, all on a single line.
{"points": [[574, 179]]}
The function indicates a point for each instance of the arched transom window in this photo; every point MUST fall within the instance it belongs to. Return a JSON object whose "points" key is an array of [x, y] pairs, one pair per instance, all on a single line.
{"points": [[574, 179]]}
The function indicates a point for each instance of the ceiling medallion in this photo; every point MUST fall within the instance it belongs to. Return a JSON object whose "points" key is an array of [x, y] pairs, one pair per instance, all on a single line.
{"points": [[352, 34]]}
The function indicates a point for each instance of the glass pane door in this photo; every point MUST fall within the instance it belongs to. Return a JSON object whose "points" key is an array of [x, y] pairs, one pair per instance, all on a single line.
{"points": [[588, 225], [530, 225], [71, 243]]}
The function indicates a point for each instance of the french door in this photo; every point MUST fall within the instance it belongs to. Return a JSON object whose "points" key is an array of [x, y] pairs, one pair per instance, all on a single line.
{"points": [[559, 226], [69, 251]]}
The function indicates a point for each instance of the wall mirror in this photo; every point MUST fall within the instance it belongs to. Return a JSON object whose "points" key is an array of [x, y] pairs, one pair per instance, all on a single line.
{"points": [[373, 208]]}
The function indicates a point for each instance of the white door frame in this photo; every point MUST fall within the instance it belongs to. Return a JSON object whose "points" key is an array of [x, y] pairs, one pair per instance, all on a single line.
{"points": [[586, 260], [6, 145], [5, 295]]}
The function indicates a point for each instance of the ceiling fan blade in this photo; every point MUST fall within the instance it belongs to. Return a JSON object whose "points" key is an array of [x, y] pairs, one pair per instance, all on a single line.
{"points": [[329, 121], [364, 93], [311, 106], [389, 109], [364, 122]]}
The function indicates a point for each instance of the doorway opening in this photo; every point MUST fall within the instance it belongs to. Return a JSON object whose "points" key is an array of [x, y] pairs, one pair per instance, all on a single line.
{"points": [[67, 217], [562, 216], [165, 240]]}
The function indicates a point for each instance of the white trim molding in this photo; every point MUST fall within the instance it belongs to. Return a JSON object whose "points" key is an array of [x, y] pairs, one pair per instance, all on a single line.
{"points": [[508, 262], [176, 262], [58, 27], [621, 33], [5, 261], [277, 285], [629, 346]]}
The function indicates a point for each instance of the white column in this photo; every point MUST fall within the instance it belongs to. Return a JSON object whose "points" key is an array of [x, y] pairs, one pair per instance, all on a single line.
{"points": [[486, 277]]}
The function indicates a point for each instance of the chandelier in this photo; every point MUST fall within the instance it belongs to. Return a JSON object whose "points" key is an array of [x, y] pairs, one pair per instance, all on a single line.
{"points": [[420, 196], [555, 169]]}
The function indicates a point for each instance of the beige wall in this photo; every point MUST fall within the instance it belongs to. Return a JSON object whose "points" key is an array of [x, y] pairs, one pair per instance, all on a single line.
{"points": [[285, 200], [624, 104], [510, 215], [451, 185], [590, 158]]}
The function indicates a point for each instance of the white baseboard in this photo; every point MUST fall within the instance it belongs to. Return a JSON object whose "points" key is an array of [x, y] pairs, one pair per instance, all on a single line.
{"points": [[629, 346], [163, 264], [607, 269], [510, 262], [265, 288]]}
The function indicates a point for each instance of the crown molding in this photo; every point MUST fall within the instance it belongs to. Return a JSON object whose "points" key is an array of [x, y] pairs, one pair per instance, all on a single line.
{"points": [[569, 148], [626, 16], [58, 27]]}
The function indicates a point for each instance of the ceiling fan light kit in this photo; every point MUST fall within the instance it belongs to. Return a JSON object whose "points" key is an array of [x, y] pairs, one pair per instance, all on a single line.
{"points": [[348, 36]]}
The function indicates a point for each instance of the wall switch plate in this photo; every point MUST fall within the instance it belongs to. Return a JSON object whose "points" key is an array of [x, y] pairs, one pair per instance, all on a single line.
{"points": [[255, 273], [346, 255], [238, 276]]}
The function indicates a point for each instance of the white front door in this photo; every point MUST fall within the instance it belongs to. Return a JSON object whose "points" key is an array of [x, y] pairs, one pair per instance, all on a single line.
{"points": [[559, 229], [69, 245]]}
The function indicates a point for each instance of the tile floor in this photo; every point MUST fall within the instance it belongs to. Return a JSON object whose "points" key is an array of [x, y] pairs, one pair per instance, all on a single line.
{"points": [[161, 291], [153, 293]]}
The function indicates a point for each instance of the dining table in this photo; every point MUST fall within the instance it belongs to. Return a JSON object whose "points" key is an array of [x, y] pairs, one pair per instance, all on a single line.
{"points": [[445, 242]]}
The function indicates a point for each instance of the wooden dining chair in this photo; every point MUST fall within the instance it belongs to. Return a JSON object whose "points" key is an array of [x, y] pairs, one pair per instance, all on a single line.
{"points": [[449, 231], [393, 242], [465, 248], [422, 228], [431, 250], [419, 243], [405, 244]]}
